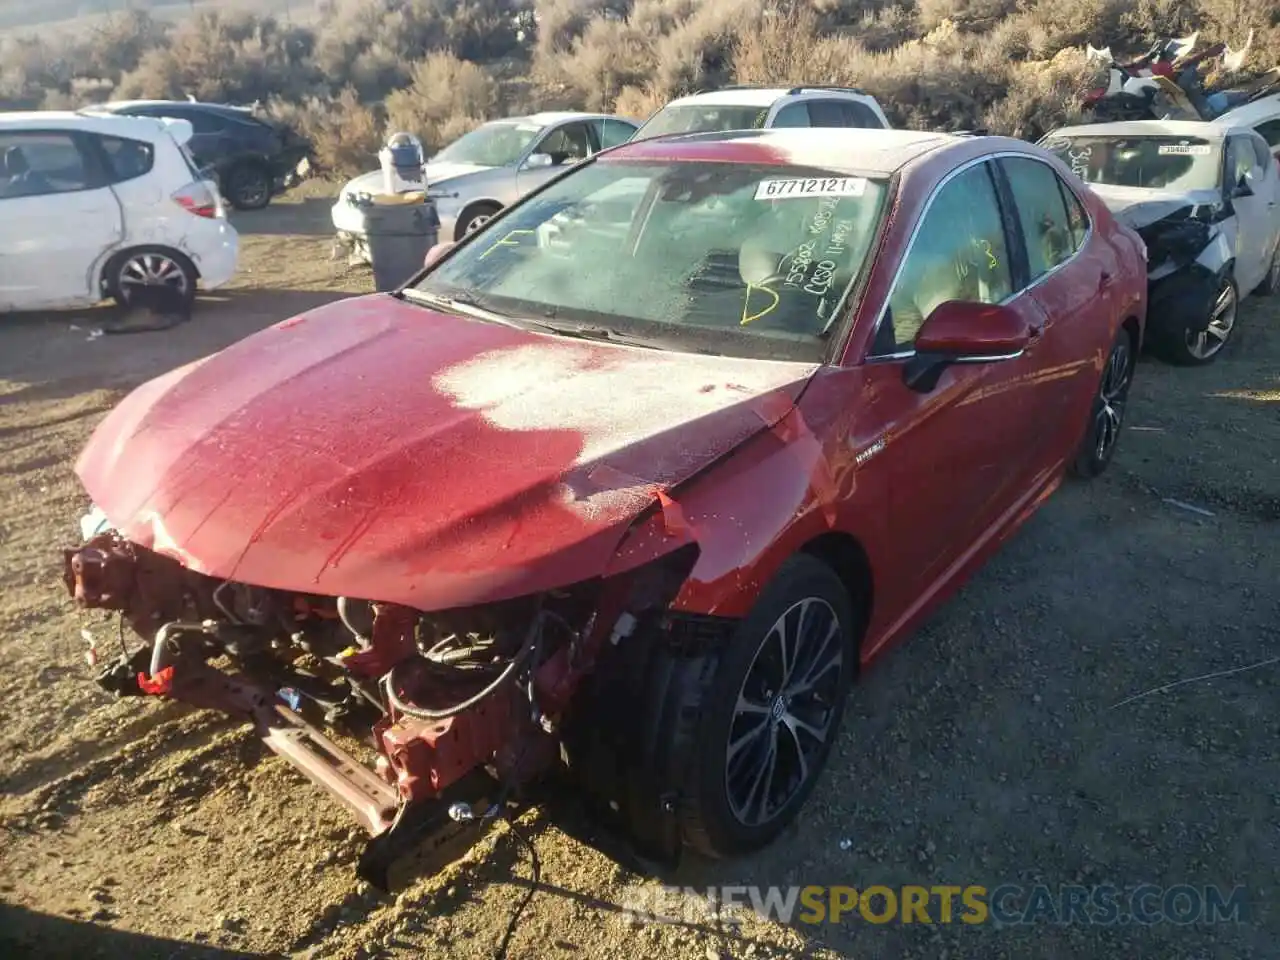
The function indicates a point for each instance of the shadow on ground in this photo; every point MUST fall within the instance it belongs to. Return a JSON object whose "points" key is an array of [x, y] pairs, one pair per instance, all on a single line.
{"points": [[57, 355], [307, 217], [26, 934]]}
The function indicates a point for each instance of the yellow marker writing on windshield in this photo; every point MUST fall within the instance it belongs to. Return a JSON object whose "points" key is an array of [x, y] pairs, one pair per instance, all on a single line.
{"points": [[746, 303], [505, 241]]}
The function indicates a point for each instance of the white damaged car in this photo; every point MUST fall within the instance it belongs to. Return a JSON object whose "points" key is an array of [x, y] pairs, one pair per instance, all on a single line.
{"points": [[1205, 197]]}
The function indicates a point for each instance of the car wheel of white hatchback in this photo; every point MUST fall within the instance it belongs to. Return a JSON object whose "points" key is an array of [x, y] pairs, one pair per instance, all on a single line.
{"points": [[151, 270]]}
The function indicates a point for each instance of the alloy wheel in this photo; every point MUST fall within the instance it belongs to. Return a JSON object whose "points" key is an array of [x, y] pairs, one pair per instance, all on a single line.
{"points": [[478, 221], [784, 712], [1112, 394], [152, 270], [1222, 321]]}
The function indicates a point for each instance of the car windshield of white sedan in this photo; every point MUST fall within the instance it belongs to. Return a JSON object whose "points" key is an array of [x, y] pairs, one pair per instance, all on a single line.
{"points": [[498, 144], [1156, 163], [724, 258]]}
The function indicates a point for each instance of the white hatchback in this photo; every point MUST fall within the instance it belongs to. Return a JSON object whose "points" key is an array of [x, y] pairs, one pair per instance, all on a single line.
{"points": [[95, 207]]}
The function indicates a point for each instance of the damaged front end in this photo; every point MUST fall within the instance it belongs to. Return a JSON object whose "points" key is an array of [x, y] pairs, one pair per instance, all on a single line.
{"points": [[455, 710], [1186, 254]]}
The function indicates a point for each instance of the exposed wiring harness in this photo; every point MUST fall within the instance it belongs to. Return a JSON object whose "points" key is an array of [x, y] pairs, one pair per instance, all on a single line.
{"points": [[455, 662]]}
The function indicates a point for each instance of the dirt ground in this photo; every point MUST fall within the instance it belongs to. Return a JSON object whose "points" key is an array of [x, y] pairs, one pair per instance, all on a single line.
{"points": [[987, 749]]}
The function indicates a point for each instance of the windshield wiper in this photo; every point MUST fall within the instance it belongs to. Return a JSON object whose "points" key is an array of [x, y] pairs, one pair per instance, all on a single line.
{"points": [[463, 305], [607, 334]]}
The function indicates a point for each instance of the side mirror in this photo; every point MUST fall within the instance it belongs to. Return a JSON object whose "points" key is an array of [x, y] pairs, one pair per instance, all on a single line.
{"points": [[960, 331], [438, 251], [537, 161]]}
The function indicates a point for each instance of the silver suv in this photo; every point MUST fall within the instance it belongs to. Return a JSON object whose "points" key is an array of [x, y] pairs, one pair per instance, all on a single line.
{"points": [[747, 108]]}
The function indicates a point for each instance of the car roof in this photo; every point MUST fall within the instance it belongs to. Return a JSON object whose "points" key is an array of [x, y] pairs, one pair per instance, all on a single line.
{"points": [[548, 117], [869, 151], [1248, 114], [1146, 128], [737, 96], [138, 128], [222, 109]]}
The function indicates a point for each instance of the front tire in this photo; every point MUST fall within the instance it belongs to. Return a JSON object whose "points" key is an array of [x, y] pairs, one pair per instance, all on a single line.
{"points": [[475, 218], [1106, 413], [1270, 285], [771, 712], [1188, 348]]}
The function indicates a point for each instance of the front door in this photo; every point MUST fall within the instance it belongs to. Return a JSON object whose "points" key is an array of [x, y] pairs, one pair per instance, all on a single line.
{"points": [[1256, 212], [57, 218], [565, 145], [977, 437]]}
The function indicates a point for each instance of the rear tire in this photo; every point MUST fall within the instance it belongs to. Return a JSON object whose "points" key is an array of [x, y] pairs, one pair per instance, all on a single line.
{"points": [[1106, 413], [248, 186], [138, 267]]}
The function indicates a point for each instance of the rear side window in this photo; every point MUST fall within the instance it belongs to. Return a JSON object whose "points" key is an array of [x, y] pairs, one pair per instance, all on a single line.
{"points": [[610, 133], [201, 122], [1076, 215], [792, 115], [38, 164], [127, 159], [1042, 211], [1270, 132], [841, 113]]}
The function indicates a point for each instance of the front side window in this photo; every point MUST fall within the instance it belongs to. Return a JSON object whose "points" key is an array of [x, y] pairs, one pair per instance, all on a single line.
{"points": [[1241, 162], [566, 144], [1042, 211], [127, 159], [727, 258], [498, 144], [703, 118], [959, 253], [1151, 162], [38, 164], [1270, 132]]}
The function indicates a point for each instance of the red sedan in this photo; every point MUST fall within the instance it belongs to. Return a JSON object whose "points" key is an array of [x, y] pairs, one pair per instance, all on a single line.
{"points": [[639, 474]]}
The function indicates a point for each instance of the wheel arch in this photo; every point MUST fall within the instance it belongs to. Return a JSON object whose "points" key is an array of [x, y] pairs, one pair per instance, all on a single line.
{"points": [[848, 559], [471, 207]]}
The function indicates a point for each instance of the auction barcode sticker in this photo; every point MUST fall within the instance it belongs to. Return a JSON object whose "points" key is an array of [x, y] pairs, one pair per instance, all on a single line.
{"points": [[811, 187], [1184, 150]]}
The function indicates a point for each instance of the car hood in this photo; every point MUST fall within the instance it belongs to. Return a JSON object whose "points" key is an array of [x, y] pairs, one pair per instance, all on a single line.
{"points": [[1137, 207], [371, 183], [377, 449]]}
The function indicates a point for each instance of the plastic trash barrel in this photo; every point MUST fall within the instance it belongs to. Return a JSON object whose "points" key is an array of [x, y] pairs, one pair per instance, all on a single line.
{"points": [[399, 234]]}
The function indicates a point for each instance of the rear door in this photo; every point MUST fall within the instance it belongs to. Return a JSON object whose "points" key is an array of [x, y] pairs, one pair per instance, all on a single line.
{"points": [[1073, 284], [58, 216]]}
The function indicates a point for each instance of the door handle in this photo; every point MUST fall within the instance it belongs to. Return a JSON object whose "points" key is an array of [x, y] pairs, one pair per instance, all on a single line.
{"points": [[1104, 281]]}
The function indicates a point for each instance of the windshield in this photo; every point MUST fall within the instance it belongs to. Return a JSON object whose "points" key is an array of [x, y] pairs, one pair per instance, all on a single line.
{"points": [[498, 144], [723, 258], [702, 118], [1163, 163]]}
